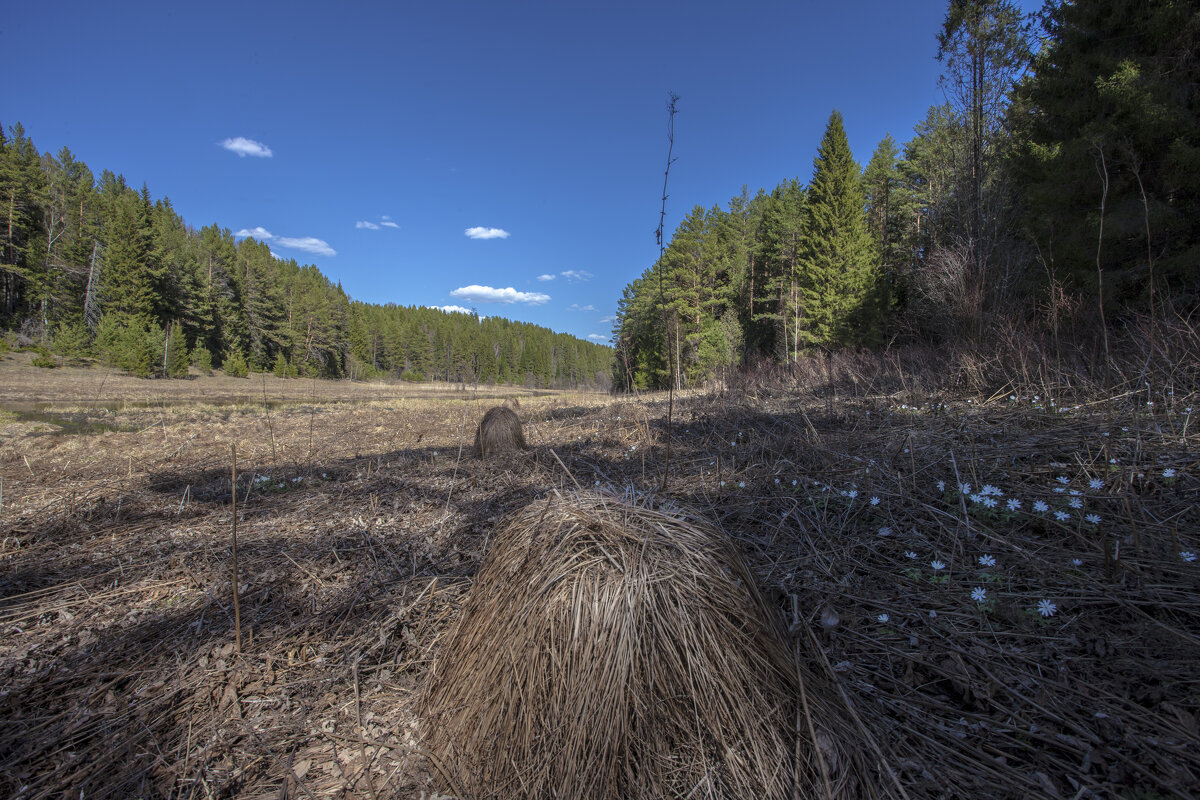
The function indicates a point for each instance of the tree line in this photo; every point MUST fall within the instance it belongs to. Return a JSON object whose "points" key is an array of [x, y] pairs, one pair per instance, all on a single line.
{"points": [[96, 268], [1058, 183]]}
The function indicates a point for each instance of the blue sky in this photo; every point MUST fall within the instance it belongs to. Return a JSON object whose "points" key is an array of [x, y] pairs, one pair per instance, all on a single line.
{"points": [[505, 157]]}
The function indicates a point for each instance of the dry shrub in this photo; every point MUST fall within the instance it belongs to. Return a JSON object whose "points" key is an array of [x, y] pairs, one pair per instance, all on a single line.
{"points": [[498, 431], [613, 651], [512, 402]]}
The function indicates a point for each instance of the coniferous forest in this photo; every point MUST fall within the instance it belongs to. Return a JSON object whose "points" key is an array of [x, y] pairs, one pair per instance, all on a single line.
{"points": [[96, 268], [1057, 187]]}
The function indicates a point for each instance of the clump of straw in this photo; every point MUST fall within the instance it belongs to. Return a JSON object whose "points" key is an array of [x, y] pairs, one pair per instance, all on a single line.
{"points": [[613, 651], [499, 431]]}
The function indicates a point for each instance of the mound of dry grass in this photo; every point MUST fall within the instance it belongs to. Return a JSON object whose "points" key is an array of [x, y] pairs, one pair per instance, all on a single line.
{"points": [[499, 431], [613, 651]]}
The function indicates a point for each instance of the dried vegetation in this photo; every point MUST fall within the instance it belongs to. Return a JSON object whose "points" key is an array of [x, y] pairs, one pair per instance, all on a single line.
{"points": [[1048, 656]]}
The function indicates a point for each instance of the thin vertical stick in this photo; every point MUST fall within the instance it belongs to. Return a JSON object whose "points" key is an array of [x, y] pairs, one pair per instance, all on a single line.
{"points": [[672, 369], [237, 611]]}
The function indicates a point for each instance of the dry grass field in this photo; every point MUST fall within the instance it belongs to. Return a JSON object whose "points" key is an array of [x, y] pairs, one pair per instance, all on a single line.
{"points": [[987, 596]]}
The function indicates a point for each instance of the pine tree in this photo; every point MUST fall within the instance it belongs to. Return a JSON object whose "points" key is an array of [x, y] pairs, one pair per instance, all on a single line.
{"points": [[177, 353], [1113, 103], [838, 258]]}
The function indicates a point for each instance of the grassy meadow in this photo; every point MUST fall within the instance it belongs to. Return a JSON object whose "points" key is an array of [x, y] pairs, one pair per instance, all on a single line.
{"points": [[1000, 589]]}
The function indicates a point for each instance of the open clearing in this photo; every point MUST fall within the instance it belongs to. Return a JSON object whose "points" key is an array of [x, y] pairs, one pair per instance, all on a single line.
{"points": [[981, 647]]}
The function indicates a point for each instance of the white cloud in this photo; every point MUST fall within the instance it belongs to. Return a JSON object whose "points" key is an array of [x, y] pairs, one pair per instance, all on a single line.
{"points": [[577, 307], [308, 244], [487, 294], [247, 147], [546, 277], [486, 233], [577, 275], [387, 223], [608, 319], [596, 337], [453, 309], [371, 226], [260, 233]]}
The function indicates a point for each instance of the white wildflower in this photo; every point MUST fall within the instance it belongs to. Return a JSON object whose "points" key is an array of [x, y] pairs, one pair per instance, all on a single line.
{"points": [[987, 561], [1187, 555], [1093, 518], [1046, 608], [1013, 504], [1096, 483], [882, 618], [1040, 505], [979, 594], [1061, 516], [937, 565]]}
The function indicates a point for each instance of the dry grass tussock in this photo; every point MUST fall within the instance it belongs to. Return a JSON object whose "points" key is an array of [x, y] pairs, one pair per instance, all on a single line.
{"points": [[499, 431], [987, 594], [609, 650]]}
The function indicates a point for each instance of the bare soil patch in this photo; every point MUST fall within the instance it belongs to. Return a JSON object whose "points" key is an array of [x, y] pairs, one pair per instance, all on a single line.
{"points": [[1047, 655]]}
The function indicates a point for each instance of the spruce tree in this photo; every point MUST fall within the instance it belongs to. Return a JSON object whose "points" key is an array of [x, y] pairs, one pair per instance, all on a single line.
{"points": [[838, 257]]}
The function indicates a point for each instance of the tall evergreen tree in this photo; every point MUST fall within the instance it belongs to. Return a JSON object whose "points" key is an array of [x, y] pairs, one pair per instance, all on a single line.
{"points": [[1111, 112], [838, 258]]}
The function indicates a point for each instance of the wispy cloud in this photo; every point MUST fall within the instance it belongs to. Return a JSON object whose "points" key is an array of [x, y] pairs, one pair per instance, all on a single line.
{"points": [[387, 223], [487, 294], [608, 319], [577, 307], [597, 337], [308, 244], [260, 233], [454, 309], [247, 147], [546, 277], [362, 223], [486, 233], [576, 275]]}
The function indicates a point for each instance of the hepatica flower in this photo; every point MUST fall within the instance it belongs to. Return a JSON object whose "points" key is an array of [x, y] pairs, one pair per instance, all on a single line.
{"points": [[1075, 502], [987, 561], [992, 490], [1063, 479], [1187, 555], [882, 618], [1040, 505], [989, 502], [937, 565], [1076, 562], [1046, 608], [1096, 483], [941, 486], [909, 554], [1093, 519], [1013, 504], [874, 501], [1061, 516], [1168, 473], [979, 594]]}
